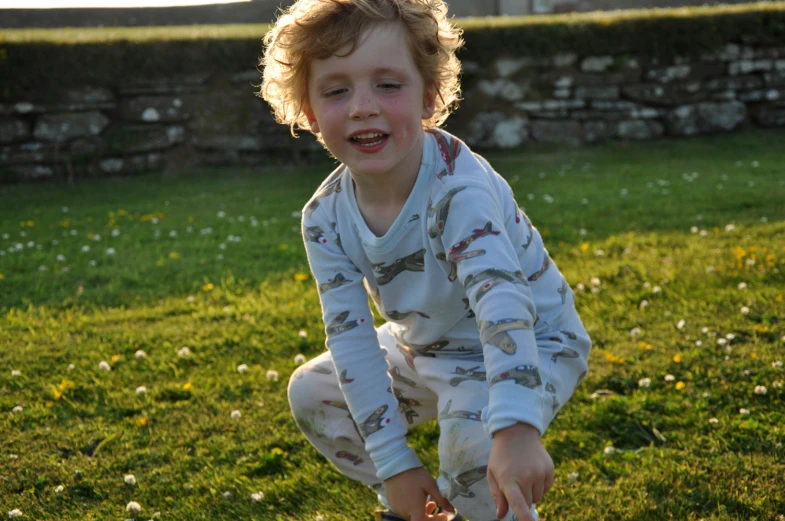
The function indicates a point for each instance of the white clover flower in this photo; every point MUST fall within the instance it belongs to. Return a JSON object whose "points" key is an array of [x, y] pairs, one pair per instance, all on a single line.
{"points": [[746, 372], [572, 477], [777, 363], [698, 343], [547, 198], [154, 220], [129, 479], [15, 514], [744, 411], [189, 229], [599, 253], [59, 489], [609, 450], [583, 232], [704, 329], [257, 496], [191, 299], [742, 285], [703, 233], [580, 287], [111, 251], [319, 518], [595, 281], [85, 248], [133, 507], [759, 389], [71, 367], [236, 414], [97, 238], [92, 263], [242, 368], [172, 234], [749, 262], [74, 232], [184, 352], [714, 420], [227, 494], [595, 290], [730, 336], [221, 214], [722, 341], [302, 334], [299, 359], [669, 378], [656, 289], [706, 394], [140, 355], [115, 233], [644, 382], [729, 227], [744, 310], [18, 408], [104, 366], [776, 384], [272, 375], [644, 303], [16, 372], [680, 324], [694, 229], [755, 164], [222, 246], [636, 331], [141, 390], [61, 258]]}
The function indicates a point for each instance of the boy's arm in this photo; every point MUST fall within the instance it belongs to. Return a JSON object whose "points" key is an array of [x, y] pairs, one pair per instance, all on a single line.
{"points": [[355, 350], [501, 297]]}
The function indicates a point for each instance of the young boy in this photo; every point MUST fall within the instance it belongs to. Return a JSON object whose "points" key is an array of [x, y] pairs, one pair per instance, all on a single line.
{"points": [[482, 331]]}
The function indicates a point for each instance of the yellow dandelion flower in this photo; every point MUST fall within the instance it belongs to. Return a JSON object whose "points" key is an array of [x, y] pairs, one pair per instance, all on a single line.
{"points": [[585, 246], [753, 355], [57, 394], [141, 422], [284, 246], [680, 385], [760, 328], [677, 358], [739, 252], [188, 386], [65, 223], [159, 215], [90, 236], [610, 357], [2, 276], [122, 212], [208, 287], [778, 298], [174, 255], [116, 358], [147, 217], [644, 345], [190, 218], [300, 276], [66, 385], [161, 263]]}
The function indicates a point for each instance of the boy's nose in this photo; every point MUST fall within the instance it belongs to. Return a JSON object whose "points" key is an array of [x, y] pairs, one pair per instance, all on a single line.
{"points": [[363, 105]]}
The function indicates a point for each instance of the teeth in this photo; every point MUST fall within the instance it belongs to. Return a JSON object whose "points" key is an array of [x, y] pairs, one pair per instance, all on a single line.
{"points": [[367, 136]]}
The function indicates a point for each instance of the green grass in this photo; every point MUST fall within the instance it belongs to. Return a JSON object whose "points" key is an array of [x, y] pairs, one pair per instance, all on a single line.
{"points": [[82, 35], [186, 451]]}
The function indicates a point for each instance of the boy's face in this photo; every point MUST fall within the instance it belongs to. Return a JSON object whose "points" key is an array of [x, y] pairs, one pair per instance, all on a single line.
{"points": [[369, 106]]}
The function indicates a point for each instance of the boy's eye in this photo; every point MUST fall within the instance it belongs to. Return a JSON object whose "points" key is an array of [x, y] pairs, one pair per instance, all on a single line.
{"points": [[390, 86], [334, 92]]}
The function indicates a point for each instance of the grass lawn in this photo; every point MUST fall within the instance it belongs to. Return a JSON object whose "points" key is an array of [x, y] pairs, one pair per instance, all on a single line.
{"points": [[676, 251]]}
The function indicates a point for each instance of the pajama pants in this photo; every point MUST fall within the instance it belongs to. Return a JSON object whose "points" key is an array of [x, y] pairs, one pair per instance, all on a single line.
{"points": [[433, 391]]}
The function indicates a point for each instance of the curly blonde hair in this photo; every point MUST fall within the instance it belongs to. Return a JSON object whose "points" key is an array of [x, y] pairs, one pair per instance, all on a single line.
{"points": [[317, 29]]}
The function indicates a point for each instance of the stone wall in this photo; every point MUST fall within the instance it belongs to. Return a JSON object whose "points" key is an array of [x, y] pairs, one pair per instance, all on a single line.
{"points": [[173, 122]]}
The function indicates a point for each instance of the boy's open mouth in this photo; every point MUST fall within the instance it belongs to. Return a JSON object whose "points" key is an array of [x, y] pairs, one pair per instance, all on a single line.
{"points": [[369, 139]]}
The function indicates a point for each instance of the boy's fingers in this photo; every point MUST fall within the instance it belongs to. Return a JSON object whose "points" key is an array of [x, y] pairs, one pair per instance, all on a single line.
{"points": [[518, 503], [498, 497], [442, 501]]}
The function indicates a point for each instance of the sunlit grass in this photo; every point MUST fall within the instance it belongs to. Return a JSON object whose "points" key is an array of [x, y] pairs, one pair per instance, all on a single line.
{"points": [[675, 251]]}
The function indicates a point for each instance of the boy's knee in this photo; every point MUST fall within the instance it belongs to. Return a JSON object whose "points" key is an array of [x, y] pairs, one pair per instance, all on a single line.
{"points": [[297, 391]]}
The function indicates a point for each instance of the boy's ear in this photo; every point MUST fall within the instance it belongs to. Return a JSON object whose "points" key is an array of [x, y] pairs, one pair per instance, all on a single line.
{"points": [[311, 117], [429, 102]]}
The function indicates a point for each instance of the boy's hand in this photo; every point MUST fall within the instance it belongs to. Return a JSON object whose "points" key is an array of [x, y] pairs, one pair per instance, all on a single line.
{"points": [[408, 491], [520, 470]]}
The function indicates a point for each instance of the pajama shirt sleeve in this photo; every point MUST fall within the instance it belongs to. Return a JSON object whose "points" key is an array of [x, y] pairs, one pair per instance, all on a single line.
{"points": [[469, 219], [355, 349]]}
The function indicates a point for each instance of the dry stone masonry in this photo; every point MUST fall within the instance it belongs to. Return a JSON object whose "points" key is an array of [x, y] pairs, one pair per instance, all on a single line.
{"points": [[210, 119]]}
